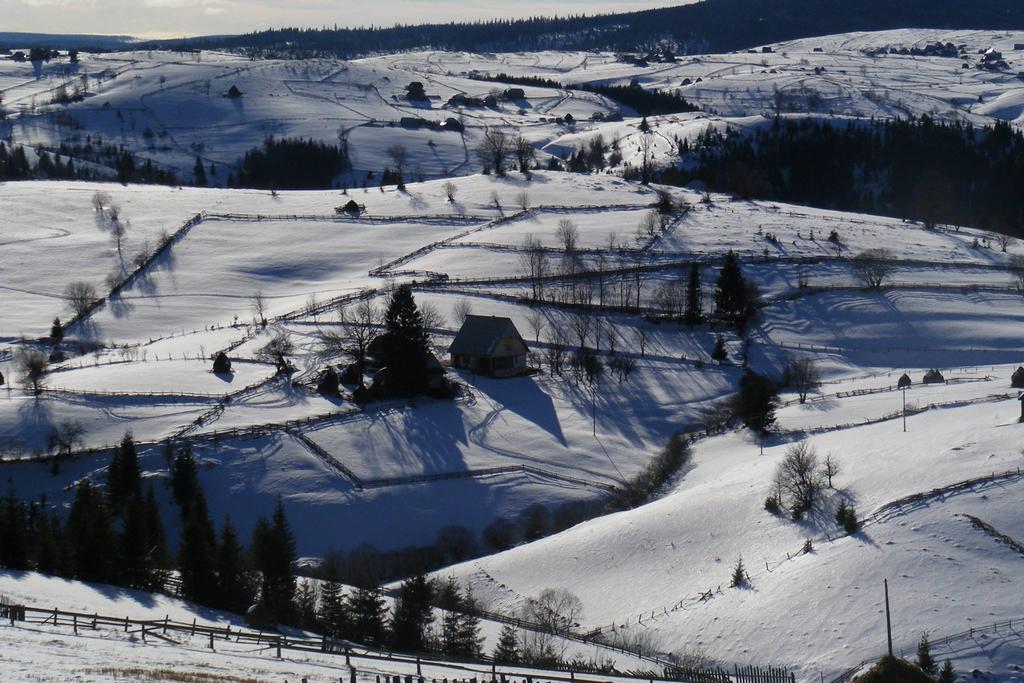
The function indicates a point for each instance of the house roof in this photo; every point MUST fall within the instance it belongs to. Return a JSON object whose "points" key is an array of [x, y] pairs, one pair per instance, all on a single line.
{"points": [[480, 335]]}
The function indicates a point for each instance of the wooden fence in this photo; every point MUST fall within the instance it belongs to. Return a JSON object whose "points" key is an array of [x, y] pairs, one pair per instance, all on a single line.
{"points": [[971, 633], [277, 644]]}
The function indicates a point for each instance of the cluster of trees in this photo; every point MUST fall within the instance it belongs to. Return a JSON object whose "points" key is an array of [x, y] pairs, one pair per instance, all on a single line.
{"points": [[291, 164], [711, 26], [362, 615], [800, 481], [15, 165], [644, 102], [918, 169], [113, 533]]}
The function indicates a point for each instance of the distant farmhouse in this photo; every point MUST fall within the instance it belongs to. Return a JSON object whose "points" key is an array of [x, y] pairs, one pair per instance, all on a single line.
{"points": [[489, 345]]}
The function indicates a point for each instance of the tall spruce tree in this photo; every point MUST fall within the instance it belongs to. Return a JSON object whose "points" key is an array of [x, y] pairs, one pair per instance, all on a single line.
{"points": [[406, 342], [460, 627], [132, 546], [196, 553], [273, 550], [157, 555], [199, 172], [731, 290], [366, 613], [412, 615], [14, 531], [924, 656], [234, 589], [506, 650], [306, 598], [124, 475], [184, 477], [694, 298], [333, 614], [89, 535]]}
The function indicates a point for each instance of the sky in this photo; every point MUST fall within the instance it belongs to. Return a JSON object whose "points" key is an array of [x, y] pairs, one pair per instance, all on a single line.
{"points": [[174, 18]]}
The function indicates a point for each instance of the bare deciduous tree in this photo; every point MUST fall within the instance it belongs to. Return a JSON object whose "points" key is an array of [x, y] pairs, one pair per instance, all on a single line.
{"points": [[873, 267], [537, 322], [100, 202], [259, 307], [649, 224], [556, 349], [1016, 267], [118, 232], [831, 468], [450, 190], [277, 350], [1005, 241], [358, 329], [555, 610], [524, 153], [534, 262], [803, 375], [798, 478], [32, 366], [399, 155], [494, 149], [463, 309], [523, 200], [64, 437], [80, 296]]}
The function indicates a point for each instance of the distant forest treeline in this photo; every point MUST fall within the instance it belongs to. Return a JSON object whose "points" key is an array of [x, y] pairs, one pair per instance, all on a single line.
{"points": [[644, 102], [711, 25], [918, 169]]}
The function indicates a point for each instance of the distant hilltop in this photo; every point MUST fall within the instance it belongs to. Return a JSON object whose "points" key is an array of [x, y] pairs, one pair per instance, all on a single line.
{"points": [[65, 41], [703, 27]]}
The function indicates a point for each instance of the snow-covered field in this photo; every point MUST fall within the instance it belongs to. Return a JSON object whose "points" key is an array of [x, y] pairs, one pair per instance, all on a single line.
{"points": [[393, 474]]}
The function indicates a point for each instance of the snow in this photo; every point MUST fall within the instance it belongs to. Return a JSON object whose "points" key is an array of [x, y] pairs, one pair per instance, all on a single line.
{"points": [[408, 469]]}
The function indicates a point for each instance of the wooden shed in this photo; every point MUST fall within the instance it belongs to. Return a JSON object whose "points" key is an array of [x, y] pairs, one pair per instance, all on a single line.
{"points": [[489, 345]]}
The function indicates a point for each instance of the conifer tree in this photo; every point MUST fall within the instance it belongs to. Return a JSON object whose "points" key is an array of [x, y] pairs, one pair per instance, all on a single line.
{"points": [[947, 675], [306, 598], [234, 590], [132, 550], [366, 612], [694, 298], [157, 555], [412, 615], [57, 331], [184, 478], [14, 533], [196, 553], [200, 173], [460, 627], [739, 575], [731, 290], [89, 535], [719, 353], [506, 650], [332, 600], [924, 656], [406, 341], [273, 550], [123, 474]]}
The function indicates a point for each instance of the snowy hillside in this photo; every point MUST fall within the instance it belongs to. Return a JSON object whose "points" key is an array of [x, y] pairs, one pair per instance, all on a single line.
{"points": [[596, 272], [172, 108]]}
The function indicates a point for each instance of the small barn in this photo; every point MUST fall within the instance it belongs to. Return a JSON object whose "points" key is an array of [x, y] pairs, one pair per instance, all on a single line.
{"points": [[489, 345]]}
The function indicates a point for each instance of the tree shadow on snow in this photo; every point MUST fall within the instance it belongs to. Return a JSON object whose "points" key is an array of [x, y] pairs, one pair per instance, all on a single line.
{"points": [[523, 397]]}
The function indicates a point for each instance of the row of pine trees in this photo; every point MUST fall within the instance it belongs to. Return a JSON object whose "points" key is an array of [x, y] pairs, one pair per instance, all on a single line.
{"points": [[114, 533]]}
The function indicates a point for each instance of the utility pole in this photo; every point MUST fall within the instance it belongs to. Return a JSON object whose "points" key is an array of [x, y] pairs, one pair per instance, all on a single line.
{"points": [[888, 619], [904, 392]]}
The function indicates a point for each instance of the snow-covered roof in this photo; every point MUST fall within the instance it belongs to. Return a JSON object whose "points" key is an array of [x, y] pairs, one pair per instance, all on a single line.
{"points": [[480, 335]]}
